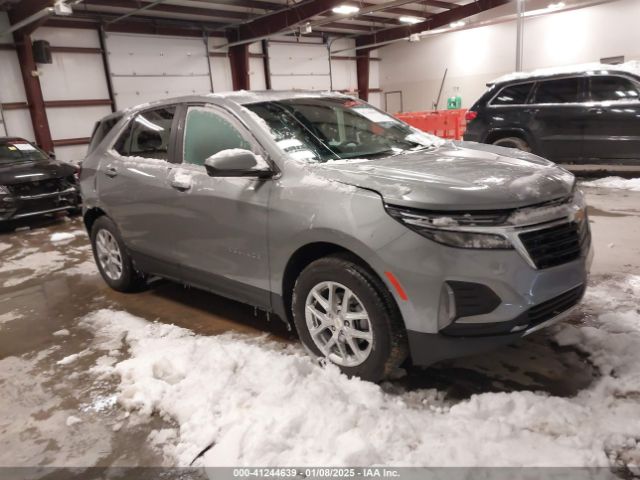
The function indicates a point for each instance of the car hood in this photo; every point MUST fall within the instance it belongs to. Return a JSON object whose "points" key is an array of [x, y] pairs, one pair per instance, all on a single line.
{"points": [[31, 171], [455, 176]]}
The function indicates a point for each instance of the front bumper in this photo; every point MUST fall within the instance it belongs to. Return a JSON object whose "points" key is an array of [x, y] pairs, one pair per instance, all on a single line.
{"points": [[13, 207], [429, 348]]}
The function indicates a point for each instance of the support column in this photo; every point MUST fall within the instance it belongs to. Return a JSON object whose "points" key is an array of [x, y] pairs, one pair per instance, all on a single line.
{"points": [[239, 60], [33, 91], [362, 69], [267, 64], [519, 34]]}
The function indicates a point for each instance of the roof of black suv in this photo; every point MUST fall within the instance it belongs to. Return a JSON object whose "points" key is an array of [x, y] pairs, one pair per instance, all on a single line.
{"points": [[632, 67]]}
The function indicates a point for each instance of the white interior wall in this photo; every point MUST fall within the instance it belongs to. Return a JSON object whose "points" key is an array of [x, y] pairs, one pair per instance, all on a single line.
{"points": [[343, 72], [477, 55], [220, 66], [72, 76], [16, 122]]}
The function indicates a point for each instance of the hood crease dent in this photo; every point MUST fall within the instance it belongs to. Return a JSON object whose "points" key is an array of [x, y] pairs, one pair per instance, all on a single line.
{"points": [[456, 176]]}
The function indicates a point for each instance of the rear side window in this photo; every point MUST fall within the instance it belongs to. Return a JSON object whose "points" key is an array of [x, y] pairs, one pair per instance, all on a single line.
{"points": [[207, 133], [612, 89], [513, 95], [102, 128], [148, 135], [564, 90]]}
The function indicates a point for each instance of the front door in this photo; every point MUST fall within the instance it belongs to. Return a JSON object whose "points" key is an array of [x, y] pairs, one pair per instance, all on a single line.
{"points": [[612, 130], [133, 180], [221, 222], [557, 119]]}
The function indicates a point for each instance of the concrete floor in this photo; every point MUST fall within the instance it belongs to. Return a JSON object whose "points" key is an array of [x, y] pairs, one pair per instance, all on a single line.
{"points": [[46, 286]]}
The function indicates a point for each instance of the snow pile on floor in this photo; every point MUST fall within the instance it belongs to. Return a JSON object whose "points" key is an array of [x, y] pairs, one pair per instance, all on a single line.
{"points": [[615, 182], [9, 317], [62, 237], [259, 403]]}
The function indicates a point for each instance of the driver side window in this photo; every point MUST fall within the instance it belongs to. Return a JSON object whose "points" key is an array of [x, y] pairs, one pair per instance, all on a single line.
{"points": [[148, 135], [207, 133]]}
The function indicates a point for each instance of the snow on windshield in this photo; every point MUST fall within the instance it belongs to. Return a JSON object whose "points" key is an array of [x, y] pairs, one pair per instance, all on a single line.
{"points": [[333, 128]]}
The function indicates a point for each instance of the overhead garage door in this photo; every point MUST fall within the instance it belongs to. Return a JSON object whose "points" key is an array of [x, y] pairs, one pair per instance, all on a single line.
{"points": [[299, 66], [145, 68]]}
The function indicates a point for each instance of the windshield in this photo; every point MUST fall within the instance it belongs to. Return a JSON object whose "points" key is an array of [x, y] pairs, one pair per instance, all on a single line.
{"points": [[17, 150], [325, 129]]}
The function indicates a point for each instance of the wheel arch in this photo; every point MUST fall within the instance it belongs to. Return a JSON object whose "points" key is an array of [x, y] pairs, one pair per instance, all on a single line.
{"points": [[498, 133], [90, 216], [304, 256]]}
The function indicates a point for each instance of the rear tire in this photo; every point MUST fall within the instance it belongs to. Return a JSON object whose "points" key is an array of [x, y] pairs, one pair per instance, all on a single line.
{"points": [[513, 142], [364, 337], [113, 260]]}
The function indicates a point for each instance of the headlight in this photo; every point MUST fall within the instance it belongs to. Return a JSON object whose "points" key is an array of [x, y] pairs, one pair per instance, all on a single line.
{"points": [[445, 229]]}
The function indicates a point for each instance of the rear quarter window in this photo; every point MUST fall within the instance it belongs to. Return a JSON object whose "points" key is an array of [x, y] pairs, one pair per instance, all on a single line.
{"points": [[513, 94], [101, 130]]}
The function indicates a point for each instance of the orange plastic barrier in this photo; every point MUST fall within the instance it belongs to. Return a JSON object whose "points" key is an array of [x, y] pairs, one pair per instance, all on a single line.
{"points": [[443, 123]]}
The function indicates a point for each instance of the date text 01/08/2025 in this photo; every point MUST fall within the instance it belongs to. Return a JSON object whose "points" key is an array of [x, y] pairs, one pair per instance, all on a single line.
{"points": [[316, 472]]}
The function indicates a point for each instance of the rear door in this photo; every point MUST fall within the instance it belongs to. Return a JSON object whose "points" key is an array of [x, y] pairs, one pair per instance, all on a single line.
{"points": [[558, 118], [612, 129], [506, 111], [221, 222], [133, 181]]}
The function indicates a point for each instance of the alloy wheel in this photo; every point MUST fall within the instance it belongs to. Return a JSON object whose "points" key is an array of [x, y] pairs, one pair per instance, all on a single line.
{"points": [[339, 324], [109, 256]]}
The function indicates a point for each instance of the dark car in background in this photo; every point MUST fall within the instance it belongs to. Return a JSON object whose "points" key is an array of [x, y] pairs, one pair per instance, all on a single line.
{"points": [[33, 183], [589, 114]]}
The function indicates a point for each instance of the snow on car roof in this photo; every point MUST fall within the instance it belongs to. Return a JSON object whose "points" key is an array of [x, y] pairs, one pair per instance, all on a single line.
{"points": [[628, 67], [246, 97], [240, 97]]}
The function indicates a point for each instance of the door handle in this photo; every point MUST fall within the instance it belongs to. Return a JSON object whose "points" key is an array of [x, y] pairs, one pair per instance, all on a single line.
{"points": [[596, 110], [111, 171]]}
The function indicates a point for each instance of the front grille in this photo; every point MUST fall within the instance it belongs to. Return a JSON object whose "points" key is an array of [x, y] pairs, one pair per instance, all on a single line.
{"points": [[554, 307], [557, 245], [40, 187]]}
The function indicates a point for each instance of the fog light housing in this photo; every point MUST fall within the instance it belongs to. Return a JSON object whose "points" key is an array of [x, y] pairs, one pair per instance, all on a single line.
{"points": [[447, 307]]}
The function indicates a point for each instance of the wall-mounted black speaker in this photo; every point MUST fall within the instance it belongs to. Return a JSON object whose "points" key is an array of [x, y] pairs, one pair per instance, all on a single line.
{"points": [[42, 51]]}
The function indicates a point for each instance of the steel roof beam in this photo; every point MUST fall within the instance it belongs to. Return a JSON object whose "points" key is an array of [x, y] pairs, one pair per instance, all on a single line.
{"points": [[436, 21]]}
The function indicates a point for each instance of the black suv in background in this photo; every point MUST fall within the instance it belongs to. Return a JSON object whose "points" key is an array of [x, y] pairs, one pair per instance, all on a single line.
{"points": [[588, 114]]}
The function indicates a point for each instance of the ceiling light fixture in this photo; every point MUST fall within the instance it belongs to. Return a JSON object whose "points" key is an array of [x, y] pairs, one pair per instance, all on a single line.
{"points": [[556, 5], [457, 24], [411, 20], [345, 9]]}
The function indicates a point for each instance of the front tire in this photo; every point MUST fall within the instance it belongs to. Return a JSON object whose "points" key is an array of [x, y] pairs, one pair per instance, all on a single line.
{"points": [[513, 142], [113, 260], [344, 313]]}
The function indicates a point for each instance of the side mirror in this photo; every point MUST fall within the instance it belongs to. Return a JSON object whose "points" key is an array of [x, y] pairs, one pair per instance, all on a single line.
{"points": [[52, 155], [236, 162]]}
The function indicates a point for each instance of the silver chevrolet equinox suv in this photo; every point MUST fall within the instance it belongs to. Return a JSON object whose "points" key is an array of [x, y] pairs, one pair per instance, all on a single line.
{"points": [[379, 241]]}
